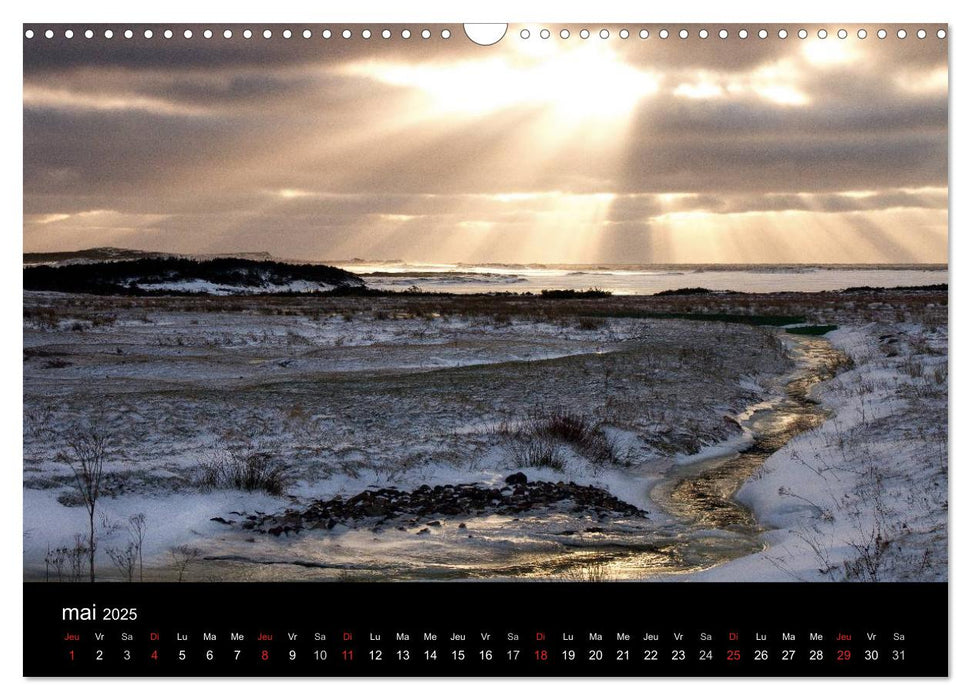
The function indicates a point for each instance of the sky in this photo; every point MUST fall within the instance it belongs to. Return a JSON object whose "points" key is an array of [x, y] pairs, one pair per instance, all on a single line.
{"points": [[555, 150]]}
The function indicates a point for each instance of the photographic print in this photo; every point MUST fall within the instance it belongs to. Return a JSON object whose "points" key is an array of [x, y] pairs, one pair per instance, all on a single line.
{"points": [[397, 303]]}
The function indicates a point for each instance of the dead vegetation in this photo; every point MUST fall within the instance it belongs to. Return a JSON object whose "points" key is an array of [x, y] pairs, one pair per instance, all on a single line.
{"points": [[539, 440], [834, 307], [244, 470]]}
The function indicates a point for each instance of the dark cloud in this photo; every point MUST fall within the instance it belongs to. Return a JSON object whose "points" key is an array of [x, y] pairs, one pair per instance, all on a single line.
{"points": [[255, 144], [59, 54]]}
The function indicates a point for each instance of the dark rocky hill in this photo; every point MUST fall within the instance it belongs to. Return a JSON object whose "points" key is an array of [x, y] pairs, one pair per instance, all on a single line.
{"points": [[175, 275]]}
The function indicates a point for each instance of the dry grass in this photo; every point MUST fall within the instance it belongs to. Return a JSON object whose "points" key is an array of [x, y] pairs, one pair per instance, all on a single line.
{"points": [[824, 307], [245, 471], [588, 573]]}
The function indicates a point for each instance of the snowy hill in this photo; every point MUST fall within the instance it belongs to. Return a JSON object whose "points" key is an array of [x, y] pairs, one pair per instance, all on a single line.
{"points": [[172, 275]]}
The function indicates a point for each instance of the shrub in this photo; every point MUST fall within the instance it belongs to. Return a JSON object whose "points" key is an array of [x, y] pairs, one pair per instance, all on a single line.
{"points": [[535, 442], [182, 556], [576, 430], [86, 453], [593, 293], [535, 452], [67, 563], [125, 560], [245, 471], [596, 572]]}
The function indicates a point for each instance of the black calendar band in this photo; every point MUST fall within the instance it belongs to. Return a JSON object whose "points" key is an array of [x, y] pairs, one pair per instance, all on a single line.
{"points": [[485, 629]]}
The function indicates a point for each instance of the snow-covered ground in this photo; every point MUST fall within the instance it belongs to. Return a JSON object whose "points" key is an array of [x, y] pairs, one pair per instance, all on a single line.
{"points": [[356, 400], [348, 395], [864, 496], [198, 286]]}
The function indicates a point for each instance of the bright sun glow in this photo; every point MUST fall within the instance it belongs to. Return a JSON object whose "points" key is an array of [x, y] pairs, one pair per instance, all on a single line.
{"points": [[288, 193], [588, 84], [529, 150], [828, 52], [776, 82], [572, 98]]}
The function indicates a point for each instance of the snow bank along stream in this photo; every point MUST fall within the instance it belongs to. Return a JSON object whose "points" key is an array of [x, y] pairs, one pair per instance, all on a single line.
{"points": [[694, 523]]}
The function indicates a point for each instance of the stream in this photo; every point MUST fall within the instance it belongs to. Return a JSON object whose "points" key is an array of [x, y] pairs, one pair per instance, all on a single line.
{"points": [[694, 523], [700, 494]]}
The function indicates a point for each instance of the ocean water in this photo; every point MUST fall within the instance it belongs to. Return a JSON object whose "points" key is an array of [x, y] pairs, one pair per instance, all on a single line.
{"points": [[644, 279]]}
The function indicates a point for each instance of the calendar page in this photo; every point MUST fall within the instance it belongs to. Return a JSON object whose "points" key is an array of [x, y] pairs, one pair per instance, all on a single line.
{"points": [[485, 350]]}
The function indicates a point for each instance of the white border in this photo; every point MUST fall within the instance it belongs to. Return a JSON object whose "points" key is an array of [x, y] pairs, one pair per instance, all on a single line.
{"points": [[180, 11]]}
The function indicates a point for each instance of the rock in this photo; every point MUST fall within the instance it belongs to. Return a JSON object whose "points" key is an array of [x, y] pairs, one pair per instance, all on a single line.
{"points": [[462, 526], [424, 531], [420, 508], [222, 521]]}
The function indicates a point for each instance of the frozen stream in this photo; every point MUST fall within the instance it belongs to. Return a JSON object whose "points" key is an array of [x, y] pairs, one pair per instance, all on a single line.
{"points": [[714, 527], [694, 522]]}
